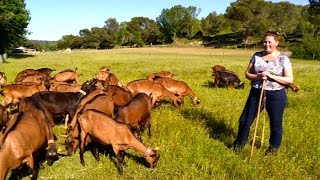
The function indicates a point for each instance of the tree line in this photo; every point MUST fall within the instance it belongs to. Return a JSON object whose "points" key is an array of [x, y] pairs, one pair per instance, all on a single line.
{"points": [[243, 23]]}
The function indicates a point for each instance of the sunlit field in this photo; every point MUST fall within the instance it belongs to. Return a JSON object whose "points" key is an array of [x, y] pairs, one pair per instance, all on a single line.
{"points": [[194, 141]]}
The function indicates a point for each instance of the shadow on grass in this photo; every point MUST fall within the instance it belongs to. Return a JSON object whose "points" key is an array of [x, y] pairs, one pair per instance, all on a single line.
{"points": [[19, 55], [208, 84], [218, 128]]}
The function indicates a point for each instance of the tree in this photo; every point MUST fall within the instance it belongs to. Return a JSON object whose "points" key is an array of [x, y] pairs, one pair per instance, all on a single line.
{"points": [[213, 24], [14, 19], [250, 17], [314, 16], [281, 14], [145, 29], [177, 21], [123, 34], [112, 27]]}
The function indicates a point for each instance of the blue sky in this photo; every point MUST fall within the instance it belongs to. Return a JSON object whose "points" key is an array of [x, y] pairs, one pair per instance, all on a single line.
{"points": [[51, 19]]}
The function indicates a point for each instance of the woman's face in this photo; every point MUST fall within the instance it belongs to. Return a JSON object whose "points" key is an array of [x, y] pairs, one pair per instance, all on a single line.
{"points": [[270, 44]]}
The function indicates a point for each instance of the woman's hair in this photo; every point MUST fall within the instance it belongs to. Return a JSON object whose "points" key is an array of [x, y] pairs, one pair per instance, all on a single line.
{"points": [[275, 34]]}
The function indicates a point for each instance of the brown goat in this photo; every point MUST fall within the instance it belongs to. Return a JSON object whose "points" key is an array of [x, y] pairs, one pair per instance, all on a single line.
{"points": [[157, 90], [13, 93], [20, 145], [166, 74], [67, 75], [227, 78], [3, 79], [47, 71], [119, 95], [97, 100], [93, 84], [28, 72], [58, 103], [31, 79], [178, 88], [108, 131], [136, 114], [64, 87], [4, 118], [218, 68]]}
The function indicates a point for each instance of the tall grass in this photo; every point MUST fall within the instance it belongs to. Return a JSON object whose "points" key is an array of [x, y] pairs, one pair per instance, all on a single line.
{"points": [[194, 141]]}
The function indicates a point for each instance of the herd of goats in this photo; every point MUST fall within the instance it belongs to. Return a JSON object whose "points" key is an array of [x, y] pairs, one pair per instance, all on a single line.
{"points": [[104, 114]]}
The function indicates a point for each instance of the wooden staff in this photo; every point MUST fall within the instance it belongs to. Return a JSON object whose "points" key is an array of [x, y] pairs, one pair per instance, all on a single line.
{"points": [[258, 116]]}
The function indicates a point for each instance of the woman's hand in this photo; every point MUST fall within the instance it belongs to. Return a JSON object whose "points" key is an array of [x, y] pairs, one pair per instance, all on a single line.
{"points": [[266, 74]]}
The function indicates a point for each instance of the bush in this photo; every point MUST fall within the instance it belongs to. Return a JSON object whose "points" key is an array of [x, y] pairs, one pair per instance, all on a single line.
{"points": [[308, 48]]}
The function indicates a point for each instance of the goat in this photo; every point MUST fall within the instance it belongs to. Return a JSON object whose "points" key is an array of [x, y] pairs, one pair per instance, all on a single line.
{"points": [[67, 75], [178, 88], [227, 78], [108, 131], [149, 87], [136, 114], [19, 145], [58, 103], [13, 93], [4, 118], [119, 95], [98, 100], [64, 87], [166, 74]]}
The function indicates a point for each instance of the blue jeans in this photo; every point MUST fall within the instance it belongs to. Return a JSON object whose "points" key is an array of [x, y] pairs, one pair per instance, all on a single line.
{"points": [[275, 105]]}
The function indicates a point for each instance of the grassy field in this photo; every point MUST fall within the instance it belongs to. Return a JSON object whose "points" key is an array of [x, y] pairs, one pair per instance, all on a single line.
{"points": [[194, 141]]}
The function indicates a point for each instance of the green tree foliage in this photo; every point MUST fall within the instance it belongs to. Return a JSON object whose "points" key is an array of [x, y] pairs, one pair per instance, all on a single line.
{"points": [[112, 27], [123, 34], [314, 16], [177, 21], [248, 17], [281, 14], [66, 42], [307, 49], [145, 29], [14, 19], [213, 24]]}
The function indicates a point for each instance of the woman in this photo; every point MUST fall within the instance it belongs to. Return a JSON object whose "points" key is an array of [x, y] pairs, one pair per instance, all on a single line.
{"points": [[275, 67]]}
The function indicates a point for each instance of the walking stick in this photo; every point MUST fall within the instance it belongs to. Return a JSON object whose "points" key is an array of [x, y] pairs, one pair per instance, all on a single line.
{"points": [[258, 116], [264, 116]]}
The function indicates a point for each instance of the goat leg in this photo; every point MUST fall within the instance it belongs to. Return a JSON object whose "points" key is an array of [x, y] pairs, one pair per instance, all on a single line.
{"points": [[82, 144]]}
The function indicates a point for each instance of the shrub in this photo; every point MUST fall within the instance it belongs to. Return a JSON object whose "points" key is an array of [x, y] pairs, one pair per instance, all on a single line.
{"points": [[308, 48]]}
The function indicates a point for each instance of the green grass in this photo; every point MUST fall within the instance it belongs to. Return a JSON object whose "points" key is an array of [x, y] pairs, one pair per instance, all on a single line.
{"points": [[194, 141]]}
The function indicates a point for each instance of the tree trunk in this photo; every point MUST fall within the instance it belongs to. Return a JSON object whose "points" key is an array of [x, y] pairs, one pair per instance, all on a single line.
{"points": [[3, 58]]}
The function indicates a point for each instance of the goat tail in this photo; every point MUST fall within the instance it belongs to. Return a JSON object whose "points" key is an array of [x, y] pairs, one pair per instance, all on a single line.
{"points": [[13, 124]]}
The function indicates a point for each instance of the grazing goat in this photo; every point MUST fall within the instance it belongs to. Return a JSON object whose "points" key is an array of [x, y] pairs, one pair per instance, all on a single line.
{"points": [[4, 118], [58, 103], [98, 100], [47, 71], [108, 131], [136, 114], [93, 84], [13, 93], [30, 72], [64, 87], [119, 95], [227, 78], [149, 87], [178, 88], [28, 134], [166, 74], [67, 75]]}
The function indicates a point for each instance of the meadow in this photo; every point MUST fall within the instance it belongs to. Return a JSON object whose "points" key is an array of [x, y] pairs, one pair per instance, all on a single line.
{"points": [[194, 141]]}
